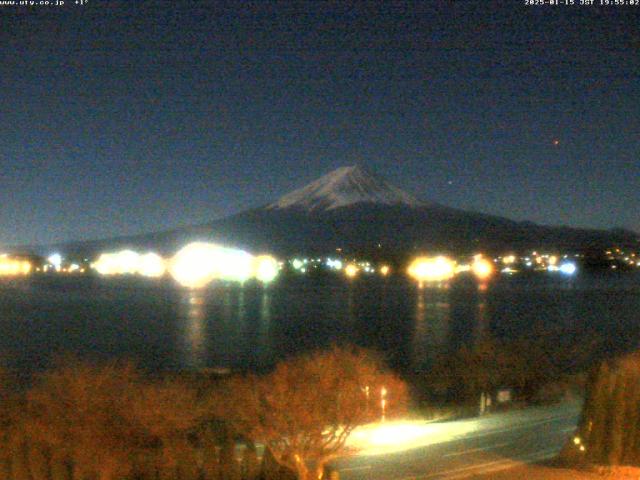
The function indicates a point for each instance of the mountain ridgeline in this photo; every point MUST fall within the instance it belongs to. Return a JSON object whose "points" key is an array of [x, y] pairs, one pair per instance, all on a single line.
{"points": [[357, 211]]}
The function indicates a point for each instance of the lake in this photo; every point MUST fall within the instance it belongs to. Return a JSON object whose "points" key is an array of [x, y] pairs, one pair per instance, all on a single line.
{"points": [[163, 327]]}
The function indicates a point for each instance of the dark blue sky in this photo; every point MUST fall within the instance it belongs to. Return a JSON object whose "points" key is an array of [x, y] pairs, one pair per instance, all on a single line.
{"points": [[124, 117]]}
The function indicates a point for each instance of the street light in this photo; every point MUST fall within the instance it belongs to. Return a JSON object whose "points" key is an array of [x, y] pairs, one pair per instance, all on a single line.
{"points": [[365, 389]]}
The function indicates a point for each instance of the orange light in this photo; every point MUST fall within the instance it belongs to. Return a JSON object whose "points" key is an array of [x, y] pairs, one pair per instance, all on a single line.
{"points": [[482, 268], [351, 270], [13, 266]]}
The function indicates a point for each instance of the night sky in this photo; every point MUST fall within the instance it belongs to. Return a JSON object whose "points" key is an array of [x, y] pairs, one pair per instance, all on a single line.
{"points": [[127, 117]]}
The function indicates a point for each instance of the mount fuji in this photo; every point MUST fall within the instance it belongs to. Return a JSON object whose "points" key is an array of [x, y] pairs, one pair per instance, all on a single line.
{"points": [[357, 211], [344, 187]]}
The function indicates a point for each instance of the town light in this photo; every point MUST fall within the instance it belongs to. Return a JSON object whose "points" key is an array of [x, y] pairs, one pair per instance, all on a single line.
{"points": [[14, 266], [55, 260], [351, 270], [335, 264], [130, 262], [266, 268], [482, 268], [568, 268], [432, 269], [117, 263], [151, 265], [194, 266], [509, 259], [233, 265]]}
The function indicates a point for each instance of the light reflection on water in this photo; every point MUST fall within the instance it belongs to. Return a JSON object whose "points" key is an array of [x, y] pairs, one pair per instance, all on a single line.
{"points": [[264, 335], [431, 320], [195, 335], [251, 327], [481, 331]]}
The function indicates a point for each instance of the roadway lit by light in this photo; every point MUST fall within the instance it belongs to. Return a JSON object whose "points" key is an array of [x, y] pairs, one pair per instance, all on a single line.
{"points": [[397, 436]]}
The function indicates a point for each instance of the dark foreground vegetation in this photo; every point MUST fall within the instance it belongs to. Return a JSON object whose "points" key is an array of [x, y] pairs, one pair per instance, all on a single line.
{"points": [[80, 421], [609, 428], [542, 366], [85, 422]]}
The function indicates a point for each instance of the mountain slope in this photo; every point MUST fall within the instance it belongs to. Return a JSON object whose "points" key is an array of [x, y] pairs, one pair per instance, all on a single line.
{"points": [[344, 187], [357, 211]]}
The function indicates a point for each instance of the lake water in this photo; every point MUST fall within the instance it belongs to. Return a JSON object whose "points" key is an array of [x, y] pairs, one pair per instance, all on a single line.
{"points": [[163, 327]]}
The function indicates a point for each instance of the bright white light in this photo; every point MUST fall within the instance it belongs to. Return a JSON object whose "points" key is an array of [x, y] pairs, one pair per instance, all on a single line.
{"points": [[151, 265], [118, 263], [297, 263], [129, 262], [266, 268], [55, 260], [397, 436], [432, 269], [334, 264], [568, 268], [234, 265], [199, 263], [195, 265]]}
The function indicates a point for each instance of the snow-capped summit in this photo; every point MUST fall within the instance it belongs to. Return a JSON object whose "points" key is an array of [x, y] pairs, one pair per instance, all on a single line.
{"points": [[342, 187]]}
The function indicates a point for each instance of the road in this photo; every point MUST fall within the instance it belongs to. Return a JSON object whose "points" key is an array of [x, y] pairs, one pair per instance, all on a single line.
{"points": [[459, 449]]}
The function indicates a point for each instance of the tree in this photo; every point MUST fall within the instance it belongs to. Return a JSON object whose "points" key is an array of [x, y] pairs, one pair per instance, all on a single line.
{"points": [[166, 413], [609, 431], [305, 410], [82, 413], [109, 422], [5, 425]]}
